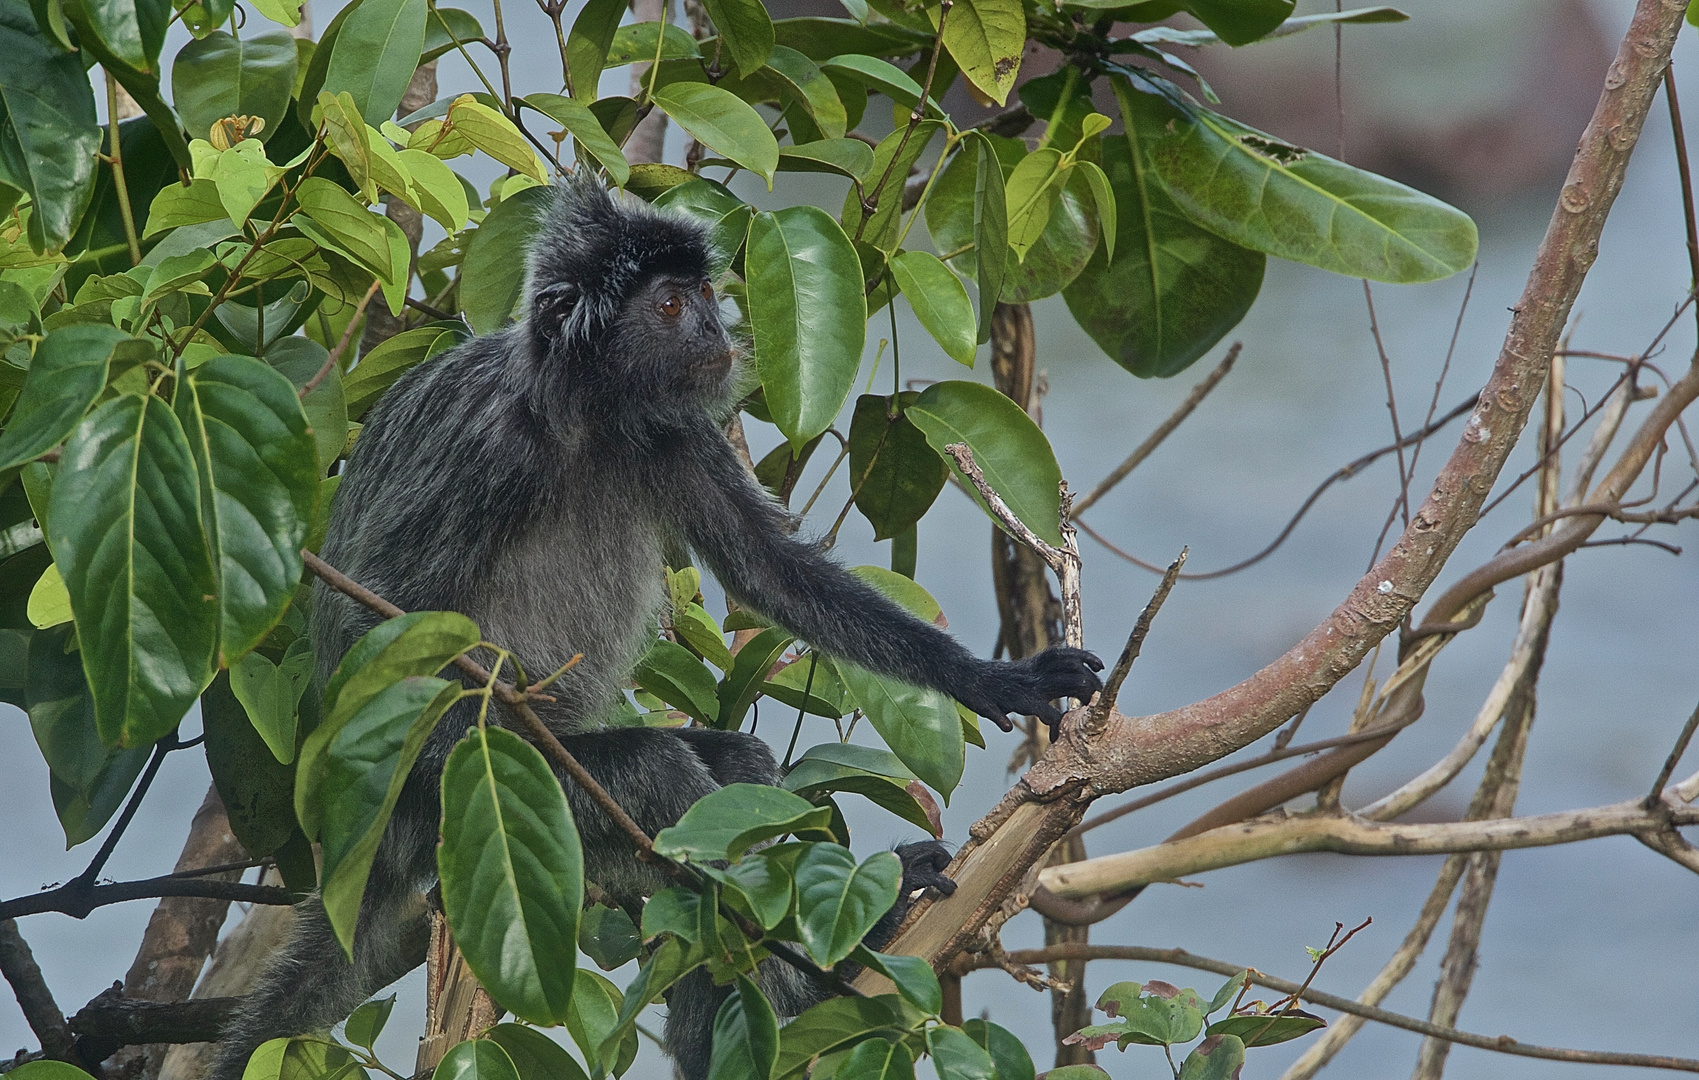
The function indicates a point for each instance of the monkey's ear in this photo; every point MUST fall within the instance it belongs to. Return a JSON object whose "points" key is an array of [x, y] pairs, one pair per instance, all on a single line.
{"points": [[555, 303]]}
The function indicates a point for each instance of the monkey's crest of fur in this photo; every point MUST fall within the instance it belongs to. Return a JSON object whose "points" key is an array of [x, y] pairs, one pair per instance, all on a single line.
{"points": [[604, 251]]}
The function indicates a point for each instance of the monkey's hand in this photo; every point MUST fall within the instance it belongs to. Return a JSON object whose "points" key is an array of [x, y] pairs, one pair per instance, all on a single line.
{"points": [[923, 868], [1028, 686]]}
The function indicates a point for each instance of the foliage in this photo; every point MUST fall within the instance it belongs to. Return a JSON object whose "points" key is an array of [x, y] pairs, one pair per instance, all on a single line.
{"points": [[178, 294]]}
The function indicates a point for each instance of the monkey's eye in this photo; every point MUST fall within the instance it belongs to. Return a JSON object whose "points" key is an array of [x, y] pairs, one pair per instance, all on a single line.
{"points": [[671, 306], [707, 290]]}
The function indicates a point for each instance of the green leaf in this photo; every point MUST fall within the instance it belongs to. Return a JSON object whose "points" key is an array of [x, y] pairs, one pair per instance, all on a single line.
{"points": [[810, 87], [65, 377], [824, 690], [725, 216], [880, 75], [491, 276], [512, 872], [987, 37], [87, 779], [838, 1022], [728, 822], [259, 486], [495, 135], [49, 1070], [270, 693], [222, 75], [374, 55], [48, 132], [176, 205], [1296, 204], [846, 157], [1176, 288], [747, 31], [913, 976], [635, 43], [939, 301], [746, 1036], [476, 1059], [743, 683], [587, 45], [311, 81], [1007, 1053], [417, 643], [956, 1056], [257, 789], [444, 27], [593, 1016], [378, 370], [820, 38], [673, 674], [1239, 22], [337, 220], [903, 591], [300, 359], [919, 724], [587, 132], [1077, 1072], [350, 776], [607, 936], [765, 883], [287, 12], [242, 176], [1229, 990], [876, 1059], [535, 1056], [1104, 197], [703, 634], [438, 190], [1031, 192], [1219, 1057], [367, 1022], [1267, 1030], [835, 767], [724, 123], [132, 30], [838, 902], [990, 229], [808, 317], [126, 535], [666, 966], [1009, 448], [895, 474], [897, 155], [1150, 1014]]}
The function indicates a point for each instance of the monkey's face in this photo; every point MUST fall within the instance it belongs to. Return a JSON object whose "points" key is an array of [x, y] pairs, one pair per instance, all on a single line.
{"points": [[672, 333]]}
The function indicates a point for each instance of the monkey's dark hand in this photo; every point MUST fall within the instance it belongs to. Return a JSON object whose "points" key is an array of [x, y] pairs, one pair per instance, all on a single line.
{"points": [[1028, 686], [923, 868]]}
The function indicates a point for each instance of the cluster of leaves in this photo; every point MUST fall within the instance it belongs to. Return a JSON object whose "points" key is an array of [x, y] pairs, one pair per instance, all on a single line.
{"points": [[177, 297], [1161, 1014]]}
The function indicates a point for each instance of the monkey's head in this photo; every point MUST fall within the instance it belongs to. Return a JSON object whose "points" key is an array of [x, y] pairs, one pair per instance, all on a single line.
{"points": [[621, 297]]}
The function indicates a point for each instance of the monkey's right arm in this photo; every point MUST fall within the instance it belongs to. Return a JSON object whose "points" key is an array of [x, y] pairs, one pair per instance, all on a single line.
{"points": [[744, 537]]}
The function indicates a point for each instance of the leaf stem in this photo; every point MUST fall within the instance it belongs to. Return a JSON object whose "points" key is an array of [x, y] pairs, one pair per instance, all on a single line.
{"points": [[870, 203], [117, 164]]}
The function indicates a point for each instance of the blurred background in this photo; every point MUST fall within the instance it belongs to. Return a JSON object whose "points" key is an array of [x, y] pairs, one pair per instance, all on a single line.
{"points": [[1592, 946]]}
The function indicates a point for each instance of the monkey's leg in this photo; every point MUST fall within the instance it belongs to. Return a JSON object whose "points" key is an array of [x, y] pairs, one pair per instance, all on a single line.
{"points": [[310, 984]]}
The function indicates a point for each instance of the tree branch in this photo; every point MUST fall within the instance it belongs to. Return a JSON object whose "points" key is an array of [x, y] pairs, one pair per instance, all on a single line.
{"points": [[42, 1013], [1502, 1044], [78, 902]]}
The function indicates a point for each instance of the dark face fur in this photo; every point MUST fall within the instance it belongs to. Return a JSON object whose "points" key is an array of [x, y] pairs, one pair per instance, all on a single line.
{"points": [[672, 339]]}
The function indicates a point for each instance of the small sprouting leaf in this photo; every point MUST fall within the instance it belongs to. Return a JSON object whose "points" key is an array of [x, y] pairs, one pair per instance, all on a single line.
{"points": [[271, 693], [417, 643], [1031, 193], [766, 883], [512, 872], [728, 822], [744, 682], [1229, 990]]}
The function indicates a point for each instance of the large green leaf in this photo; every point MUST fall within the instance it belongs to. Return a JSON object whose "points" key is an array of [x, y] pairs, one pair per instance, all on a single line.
{"points": [[512, 872], [475, 1059], [86, 778], [375, 54], [1009, 448], [674, 674], [744, 682], [808, 316], [957, 1056], [131, 30], [593, 1016], [665, 966], [259, 485], [300, 360], [895, 474], [987, 37], [747, 31], [878, 775], [810, 88], [349, 778], [447, 29], [1268, 1030], [48, 132], [126, 535], [221, 75], [271, 693], [334, 218], [1174, 288], [535, 1056], [838, 901], [417, 643], [919, 724], [726, 823], [724, 123], [821, 38], [877, 1059], [587, 132], [65, 377], [746, 1036], [378, 370], [492, 276], [1007, 1052], [1219, 1057], [1263, 194], [587, 45]]}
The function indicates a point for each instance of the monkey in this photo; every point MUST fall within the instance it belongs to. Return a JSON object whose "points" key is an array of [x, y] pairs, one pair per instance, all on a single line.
{"points": [[533, 479]]}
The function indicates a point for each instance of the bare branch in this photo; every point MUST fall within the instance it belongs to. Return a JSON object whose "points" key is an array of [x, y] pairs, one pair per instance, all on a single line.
{"points": [[1097, 713], [1503, 1044], [42, 1013], [75, 901], [1674, 758]]}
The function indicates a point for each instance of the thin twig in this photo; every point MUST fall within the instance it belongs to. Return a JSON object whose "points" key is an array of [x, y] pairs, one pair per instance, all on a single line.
{"points": [[870, 201], [1163, 430], [342, 345], [76, 901], [1106, 699], [120, 183], [1670, 762], [1503, 1044], [1683, 170], [1392, 410]]}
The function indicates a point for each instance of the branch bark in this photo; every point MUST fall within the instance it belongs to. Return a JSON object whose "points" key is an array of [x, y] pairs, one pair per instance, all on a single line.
{"points": [[1132, 751], [42, 1013]]}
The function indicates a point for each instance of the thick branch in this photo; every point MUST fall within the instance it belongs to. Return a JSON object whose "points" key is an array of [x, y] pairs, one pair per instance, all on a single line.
{"points": [[1251, 840], [42, 1013], [126, 1023], [1503, 1044], [1135, 751], [79, 902]]}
